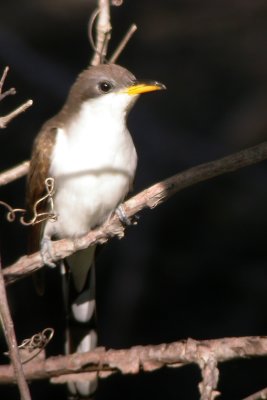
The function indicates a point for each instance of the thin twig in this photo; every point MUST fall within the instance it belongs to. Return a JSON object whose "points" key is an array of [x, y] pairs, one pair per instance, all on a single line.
{"points": [[14, 173], [140, 358], [10, 336], [123, 43], [148, 198], [3, 78], [7, 118], [261, 395], [103, 32], [8, 92]]}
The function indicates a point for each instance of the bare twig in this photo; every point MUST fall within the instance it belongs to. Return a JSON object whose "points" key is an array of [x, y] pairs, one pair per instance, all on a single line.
{"points": [[14, 173], [3, 78], [8, 92], [7, 118], [141, 358], [261, 395], [10, 336], [148, 198], [103, 31], [123, 43]]}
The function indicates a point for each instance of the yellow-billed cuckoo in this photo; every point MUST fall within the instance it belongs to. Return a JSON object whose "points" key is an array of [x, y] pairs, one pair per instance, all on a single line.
{"points": [[89, 152]]}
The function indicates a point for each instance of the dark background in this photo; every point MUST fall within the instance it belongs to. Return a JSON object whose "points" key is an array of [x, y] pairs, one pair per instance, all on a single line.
{"points": [[197, 265]]}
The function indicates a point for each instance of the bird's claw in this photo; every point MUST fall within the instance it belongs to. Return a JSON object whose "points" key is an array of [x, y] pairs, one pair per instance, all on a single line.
{"points": [[46, 252], [120, 211]]}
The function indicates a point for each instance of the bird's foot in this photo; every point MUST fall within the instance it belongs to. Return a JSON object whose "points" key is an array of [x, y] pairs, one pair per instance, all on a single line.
{"points": [[120, 211], [46, 252], [126, 221]]}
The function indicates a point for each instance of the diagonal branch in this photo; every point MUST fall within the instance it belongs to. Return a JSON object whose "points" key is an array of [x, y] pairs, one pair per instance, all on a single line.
{"points": [[148, 198]]}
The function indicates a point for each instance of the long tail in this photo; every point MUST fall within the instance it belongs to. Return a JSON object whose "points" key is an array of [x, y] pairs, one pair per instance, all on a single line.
{"points": [[79, 297]]}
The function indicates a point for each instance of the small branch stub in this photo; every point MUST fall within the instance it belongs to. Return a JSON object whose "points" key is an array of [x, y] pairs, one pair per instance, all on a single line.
{"points": [[7, 118], [123, 43]]}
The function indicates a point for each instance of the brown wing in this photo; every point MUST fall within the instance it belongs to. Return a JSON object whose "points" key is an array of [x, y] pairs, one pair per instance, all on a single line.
{"points": [[39, 171]]}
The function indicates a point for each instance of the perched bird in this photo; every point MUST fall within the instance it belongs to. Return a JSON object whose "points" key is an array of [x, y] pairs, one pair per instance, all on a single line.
{"points": [[88, 151]]}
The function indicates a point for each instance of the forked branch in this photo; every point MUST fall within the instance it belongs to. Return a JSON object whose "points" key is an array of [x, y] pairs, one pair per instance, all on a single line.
{"points": [[7, 118]]}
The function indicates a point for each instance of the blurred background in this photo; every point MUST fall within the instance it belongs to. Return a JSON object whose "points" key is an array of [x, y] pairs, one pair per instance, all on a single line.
{"points": [[196, 266]]}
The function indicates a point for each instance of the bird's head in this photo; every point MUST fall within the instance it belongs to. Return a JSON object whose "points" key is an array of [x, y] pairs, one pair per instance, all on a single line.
{"points": [[110, 86]]}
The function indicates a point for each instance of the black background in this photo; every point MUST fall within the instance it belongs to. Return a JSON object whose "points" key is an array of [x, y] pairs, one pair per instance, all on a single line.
{"points": [[196, 265]]}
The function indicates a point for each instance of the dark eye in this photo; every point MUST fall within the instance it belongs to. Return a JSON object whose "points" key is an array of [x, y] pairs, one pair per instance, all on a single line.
{"points": [[105, 86]]}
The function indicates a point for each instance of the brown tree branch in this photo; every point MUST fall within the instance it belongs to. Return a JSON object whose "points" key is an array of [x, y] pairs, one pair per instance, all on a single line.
{"points": [[148, 198], [141, 358], [10, 336]]}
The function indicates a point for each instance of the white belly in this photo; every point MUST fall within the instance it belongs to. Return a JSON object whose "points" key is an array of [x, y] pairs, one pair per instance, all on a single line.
{"points": [[92, 176], [83, 202]]}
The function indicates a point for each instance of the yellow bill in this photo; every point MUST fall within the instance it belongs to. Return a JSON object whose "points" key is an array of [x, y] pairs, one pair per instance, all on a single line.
{"points": [[144, 87]]}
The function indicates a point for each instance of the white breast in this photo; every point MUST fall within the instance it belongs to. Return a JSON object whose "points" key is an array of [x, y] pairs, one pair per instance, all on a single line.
{"points": [[93, 163]]}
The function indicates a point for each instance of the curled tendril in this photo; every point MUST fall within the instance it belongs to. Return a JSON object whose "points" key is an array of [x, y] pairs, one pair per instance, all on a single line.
{"points": [[37, 342], [91, 25], [37, 217], [11, 214], [90, 29], [40, 217]]}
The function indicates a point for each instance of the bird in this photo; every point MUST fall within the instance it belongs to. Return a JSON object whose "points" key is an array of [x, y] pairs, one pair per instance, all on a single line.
{"points": [[89, 153]]}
